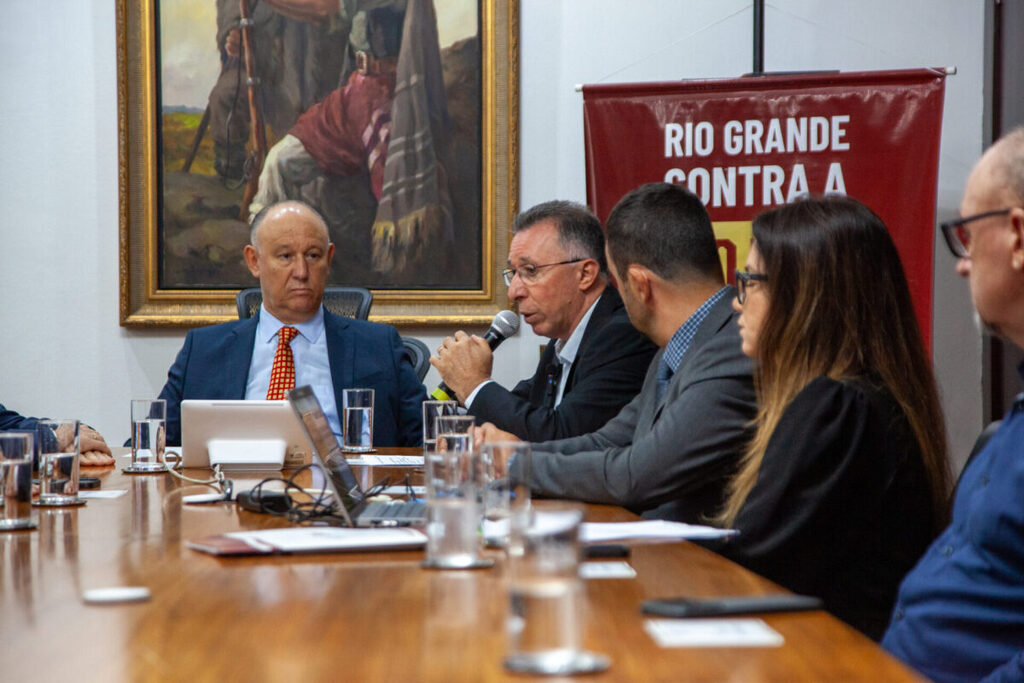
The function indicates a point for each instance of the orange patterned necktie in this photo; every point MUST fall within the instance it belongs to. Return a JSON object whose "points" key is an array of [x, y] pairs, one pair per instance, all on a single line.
{"points": [[282, 375]]}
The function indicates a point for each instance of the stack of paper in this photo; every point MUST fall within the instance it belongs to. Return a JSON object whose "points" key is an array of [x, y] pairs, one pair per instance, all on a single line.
{"points": [[309, 539]]}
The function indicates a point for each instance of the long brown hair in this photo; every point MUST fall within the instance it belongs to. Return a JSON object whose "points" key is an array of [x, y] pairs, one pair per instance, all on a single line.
{"points": [[839, 307]]}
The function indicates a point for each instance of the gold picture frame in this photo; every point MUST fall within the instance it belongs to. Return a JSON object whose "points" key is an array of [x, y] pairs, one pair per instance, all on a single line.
{"points": [[144, 303]]}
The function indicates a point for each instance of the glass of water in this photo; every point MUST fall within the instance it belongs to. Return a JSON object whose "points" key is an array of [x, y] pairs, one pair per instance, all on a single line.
{"points": [[16, 480], [431, 411], [454, 506], [149, 420], [547, 610], [505, 487], [454, 432], [357, 420], [58, 447]]}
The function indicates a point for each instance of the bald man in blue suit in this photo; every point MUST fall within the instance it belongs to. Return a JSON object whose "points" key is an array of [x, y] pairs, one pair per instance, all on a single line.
{"points": [[290, 253]]}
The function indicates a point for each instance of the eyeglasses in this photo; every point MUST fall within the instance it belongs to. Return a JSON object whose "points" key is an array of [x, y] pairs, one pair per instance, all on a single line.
{"points": [[743, 281], [958, 237], [528, 273]]}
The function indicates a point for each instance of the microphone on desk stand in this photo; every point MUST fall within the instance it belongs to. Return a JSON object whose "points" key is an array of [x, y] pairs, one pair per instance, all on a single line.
{"points": [[504, 325]]}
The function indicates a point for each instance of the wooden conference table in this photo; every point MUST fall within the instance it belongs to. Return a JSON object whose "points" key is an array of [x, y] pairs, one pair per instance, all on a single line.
{"points": [[350, 617]]}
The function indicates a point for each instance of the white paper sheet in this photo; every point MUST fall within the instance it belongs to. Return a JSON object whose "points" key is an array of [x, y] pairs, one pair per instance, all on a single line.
{"points": [[401, 490], [598, 532], [109, 493], [307, 539], [388, 460], [712, 633], [616, 569]]}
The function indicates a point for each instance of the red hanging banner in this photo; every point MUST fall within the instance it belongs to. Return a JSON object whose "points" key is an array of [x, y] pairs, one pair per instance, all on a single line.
{"points": [[748, 144]]}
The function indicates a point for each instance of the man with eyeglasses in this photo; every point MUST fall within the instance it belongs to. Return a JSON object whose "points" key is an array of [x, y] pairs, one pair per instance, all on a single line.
{"points": [[670, 451], [595, 360], [960, 612]]}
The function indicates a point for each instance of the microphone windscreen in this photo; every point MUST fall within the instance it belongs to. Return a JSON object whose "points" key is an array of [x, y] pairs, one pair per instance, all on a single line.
{"points": [[506, 323]]}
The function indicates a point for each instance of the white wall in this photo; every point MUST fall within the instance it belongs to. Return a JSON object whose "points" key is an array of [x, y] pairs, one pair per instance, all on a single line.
{"points": [[63, 351]]}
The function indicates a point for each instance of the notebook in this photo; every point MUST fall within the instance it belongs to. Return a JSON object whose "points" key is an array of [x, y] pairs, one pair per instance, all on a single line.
{"points": [[350, 499]]}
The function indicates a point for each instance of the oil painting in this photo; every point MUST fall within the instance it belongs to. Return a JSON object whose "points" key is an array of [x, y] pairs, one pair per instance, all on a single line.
{"points": [[386, 116]]}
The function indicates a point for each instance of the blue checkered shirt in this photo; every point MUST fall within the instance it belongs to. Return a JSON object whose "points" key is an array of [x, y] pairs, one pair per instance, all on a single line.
{"points": [[680, 342]]}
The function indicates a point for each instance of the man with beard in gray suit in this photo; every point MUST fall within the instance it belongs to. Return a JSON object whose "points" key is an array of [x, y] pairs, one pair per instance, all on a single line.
{"points": [[669, 452]]}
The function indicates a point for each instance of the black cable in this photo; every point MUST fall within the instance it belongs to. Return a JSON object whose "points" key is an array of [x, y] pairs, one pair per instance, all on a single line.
{"points": [[319, 506], [410, 492], [378, 488]]}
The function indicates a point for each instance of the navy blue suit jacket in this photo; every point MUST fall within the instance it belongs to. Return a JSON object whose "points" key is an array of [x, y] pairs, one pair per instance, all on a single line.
{"points": [[10, 420], [214, 364]]}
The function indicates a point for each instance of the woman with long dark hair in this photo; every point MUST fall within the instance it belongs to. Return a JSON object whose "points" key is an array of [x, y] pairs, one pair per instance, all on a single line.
{"points": [[845, 481]]}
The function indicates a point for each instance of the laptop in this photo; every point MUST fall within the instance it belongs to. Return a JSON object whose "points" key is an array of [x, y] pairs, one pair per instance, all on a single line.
{"points": [[244, 422], [340, 479]]}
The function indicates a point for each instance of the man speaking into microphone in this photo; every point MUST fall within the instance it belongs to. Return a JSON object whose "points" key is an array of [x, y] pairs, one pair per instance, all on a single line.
{"points": [[596, 360]]}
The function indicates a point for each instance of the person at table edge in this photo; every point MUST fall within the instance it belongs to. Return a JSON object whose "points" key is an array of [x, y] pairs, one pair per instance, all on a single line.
{"points": [[669, 451], [845, 482], [94, 449], [959, 614], [290, 254], [595, 361]]}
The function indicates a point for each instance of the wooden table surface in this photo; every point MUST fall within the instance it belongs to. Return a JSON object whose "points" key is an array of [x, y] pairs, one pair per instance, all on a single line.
{"points": [[351, 617]]}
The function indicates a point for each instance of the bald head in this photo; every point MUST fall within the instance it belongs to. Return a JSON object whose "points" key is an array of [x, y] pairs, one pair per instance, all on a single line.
{"points": [[1004, 161], [993, 202], [290, 253], [281, 210]]}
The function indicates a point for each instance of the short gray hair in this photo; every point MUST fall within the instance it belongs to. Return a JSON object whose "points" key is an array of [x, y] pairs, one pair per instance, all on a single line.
{"points": [[579, 231]]}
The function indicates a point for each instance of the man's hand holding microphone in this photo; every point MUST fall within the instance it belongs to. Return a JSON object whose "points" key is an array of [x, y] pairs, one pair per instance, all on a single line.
{"points": [[465, 361]]}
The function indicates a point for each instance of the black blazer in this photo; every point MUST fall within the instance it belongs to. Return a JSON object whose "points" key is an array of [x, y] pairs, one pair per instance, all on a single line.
{"points": [[607, 373], [841, 508]]}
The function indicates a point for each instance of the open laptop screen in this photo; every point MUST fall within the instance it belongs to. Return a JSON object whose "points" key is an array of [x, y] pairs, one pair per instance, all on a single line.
{"points": [[326, 449]]}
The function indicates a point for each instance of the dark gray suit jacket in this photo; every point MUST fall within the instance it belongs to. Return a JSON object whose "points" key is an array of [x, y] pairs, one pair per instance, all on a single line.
{"points": [[667, 460]]}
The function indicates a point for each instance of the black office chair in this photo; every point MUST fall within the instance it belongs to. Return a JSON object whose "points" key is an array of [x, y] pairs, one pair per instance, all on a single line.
{"points": [[351, 302], [420, 356]]}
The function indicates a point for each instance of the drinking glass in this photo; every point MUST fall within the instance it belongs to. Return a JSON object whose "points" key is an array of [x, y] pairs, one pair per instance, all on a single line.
{"points": [[357, 420], [149, 419], [59, 449], [453, 498], [16, 480], [505, 493], [431, 411], [454, 432], [547, 610]]}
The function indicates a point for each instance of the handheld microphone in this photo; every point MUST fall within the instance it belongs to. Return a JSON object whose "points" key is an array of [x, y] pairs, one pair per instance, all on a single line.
{"points": [[504, 325]]}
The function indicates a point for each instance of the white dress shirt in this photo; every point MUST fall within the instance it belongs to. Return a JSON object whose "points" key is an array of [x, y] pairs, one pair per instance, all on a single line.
{"points": [[566, 353], [312, 364]]}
